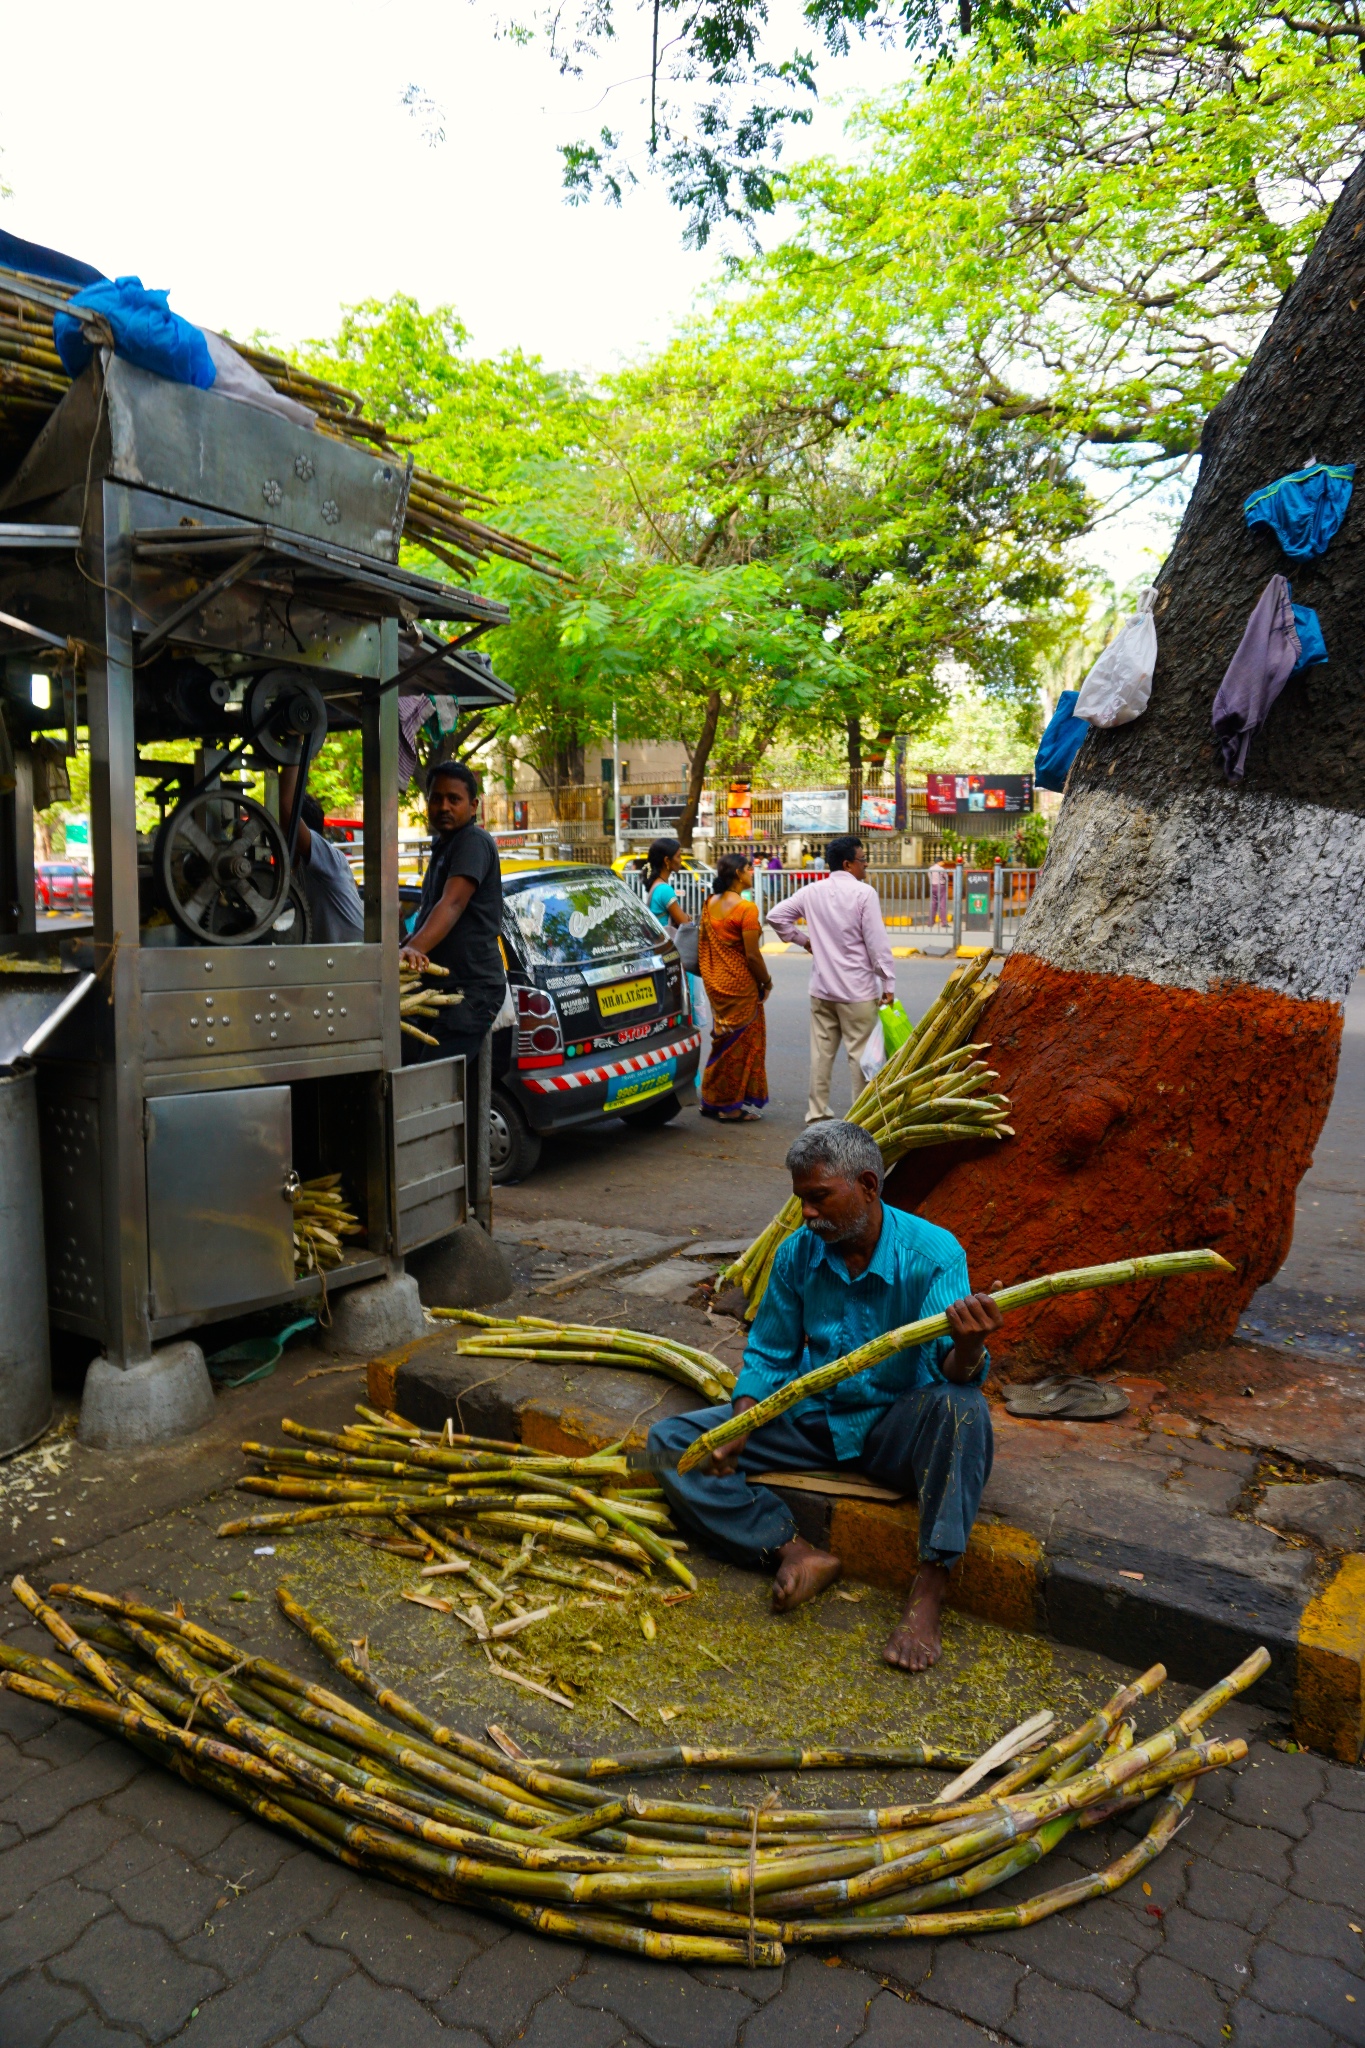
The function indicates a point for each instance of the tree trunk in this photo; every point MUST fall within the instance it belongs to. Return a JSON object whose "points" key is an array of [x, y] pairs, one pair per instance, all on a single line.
{"points": [[696, 779], [854, 728], [1169, 1023]]}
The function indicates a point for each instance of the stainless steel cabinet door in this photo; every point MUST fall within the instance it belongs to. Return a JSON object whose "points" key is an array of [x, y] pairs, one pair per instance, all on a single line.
{"points": [[428, 1109], [220, 1221]]}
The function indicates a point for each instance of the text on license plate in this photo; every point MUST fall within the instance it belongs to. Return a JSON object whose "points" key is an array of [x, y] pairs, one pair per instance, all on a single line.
{"points": [[625, 995]]}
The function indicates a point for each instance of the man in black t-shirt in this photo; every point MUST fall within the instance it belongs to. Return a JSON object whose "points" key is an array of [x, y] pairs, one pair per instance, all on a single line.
{"points": [[458, 919]]}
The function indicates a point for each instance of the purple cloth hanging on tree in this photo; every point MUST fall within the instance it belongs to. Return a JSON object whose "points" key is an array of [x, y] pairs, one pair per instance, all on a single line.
{"points": [[1255, 676]]}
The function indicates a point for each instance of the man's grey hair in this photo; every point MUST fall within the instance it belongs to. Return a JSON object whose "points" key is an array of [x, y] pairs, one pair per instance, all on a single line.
{"points": [[844, 1148]]}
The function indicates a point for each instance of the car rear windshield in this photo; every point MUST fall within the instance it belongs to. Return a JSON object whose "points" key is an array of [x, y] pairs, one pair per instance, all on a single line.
{"points": [[572, 920]]}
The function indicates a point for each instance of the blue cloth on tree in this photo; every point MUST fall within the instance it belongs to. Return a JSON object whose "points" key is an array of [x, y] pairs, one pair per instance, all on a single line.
{"points": [[1312, 646], [1304, 508], [1060, 744], [145, 330]]}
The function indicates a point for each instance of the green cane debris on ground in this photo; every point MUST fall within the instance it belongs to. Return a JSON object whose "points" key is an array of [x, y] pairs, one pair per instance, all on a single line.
{"points": [[815, 1674]]}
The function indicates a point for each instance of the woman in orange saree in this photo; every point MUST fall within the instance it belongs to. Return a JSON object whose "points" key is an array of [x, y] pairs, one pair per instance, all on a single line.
{"points": [[734, 1086]]}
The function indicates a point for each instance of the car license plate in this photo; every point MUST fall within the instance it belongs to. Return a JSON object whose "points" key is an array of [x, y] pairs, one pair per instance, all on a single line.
{"points": [[625, 995], [623, 1089]]}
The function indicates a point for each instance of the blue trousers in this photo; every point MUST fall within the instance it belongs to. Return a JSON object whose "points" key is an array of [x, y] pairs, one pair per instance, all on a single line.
{"points": [[934, 1444]]}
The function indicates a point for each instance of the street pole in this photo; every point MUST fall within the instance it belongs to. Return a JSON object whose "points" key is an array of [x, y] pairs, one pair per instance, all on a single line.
{"points": [[617, 842]]}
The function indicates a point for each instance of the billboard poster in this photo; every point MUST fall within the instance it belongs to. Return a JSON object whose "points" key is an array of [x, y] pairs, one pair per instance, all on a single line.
{"points": [[740, 811], [653, 813], [815, 810], [706, 814], [877, 814], [949, 796]]}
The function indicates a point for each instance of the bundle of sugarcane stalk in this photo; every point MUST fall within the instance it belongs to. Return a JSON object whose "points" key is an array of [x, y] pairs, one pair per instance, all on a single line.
{"points": [[415, 999], [533, 1841], [321, 1219], [33, 382], [452, 1492], [530, 1337], [935, 1090], [1119, 1273]]}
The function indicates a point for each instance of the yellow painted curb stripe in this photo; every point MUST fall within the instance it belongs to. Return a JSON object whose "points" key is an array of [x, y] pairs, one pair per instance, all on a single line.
{"points": [[1329, 1691], [998, 1578]]}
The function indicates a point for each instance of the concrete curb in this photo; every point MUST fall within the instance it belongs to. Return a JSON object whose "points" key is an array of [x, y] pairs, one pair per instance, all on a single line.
{"points": [[1097, 1593]]}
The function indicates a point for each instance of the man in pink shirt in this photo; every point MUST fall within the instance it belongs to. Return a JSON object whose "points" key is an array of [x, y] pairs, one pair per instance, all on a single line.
{"points": [[853, 972]]}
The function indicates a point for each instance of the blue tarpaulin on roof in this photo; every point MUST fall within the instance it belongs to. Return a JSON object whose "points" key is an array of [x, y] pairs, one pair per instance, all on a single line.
{"points": [[37, 261], [145, 331]]}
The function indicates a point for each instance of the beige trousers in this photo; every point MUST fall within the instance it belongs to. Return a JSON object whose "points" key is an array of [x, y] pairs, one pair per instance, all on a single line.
{"points": [[829, 1023]]}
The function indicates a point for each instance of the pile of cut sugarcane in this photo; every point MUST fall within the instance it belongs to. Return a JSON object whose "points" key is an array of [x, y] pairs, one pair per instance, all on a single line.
{"points": [[535, 1841], [415, 999], [936, 1090], [322, 1218], [452, 1493], [530, 1337]]}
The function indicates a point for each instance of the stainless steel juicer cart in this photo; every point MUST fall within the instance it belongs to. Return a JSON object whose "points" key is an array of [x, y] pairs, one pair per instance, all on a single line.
{"points": [[187, 567]]}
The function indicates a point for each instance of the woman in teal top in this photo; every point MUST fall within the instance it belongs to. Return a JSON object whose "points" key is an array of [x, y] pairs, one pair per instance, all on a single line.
{"points": [[662, 863]]}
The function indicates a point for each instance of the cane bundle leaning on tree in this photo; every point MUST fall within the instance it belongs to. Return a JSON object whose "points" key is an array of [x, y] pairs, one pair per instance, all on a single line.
{"points": [[531, 1337], [935, 1090], [1158, 1266], [534, 1841]]}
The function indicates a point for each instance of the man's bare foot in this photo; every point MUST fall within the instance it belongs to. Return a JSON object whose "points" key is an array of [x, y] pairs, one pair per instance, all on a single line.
{"points": [[803, 1572], [914, 1643]]}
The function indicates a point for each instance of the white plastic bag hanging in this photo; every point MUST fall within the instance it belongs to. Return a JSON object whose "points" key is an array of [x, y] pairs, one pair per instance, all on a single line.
{"points": [[1119, 685], [873, 1055]]}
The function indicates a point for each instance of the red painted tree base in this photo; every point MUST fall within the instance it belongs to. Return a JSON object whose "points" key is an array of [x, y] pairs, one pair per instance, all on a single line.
{"points": [[1148, 1119]]}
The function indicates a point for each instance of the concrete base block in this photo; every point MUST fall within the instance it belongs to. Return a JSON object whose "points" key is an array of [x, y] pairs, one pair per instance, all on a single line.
{"points": [[465, 1270], [125, 1408], [376, 1317]]}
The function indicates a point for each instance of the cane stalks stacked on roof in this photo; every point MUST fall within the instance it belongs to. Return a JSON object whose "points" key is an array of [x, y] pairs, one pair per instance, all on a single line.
{"points": [[935, 1090], [438, 516], [534, 1841]]}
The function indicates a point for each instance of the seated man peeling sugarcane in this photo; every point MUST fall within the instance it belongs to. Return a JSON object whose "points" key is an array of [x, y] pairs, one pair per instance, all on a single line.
{"points": [[917, 1422]]}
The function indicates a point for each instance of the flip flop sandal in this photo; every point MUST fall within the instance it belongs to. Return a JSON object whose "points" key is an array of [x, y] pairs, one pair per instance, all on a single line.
{"points": [[1066, 1400]]}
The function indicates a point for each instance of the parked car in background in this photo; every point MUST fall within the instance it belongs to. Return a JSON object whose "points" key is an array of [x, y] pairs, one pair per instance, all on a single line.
{"points": [[603, 1024], [62, 886]]}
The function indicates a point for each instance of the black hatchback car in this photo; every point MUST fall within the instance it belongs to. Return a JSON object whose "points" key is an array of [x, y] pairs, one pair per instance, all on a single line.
{"points": [[603, 1022]]}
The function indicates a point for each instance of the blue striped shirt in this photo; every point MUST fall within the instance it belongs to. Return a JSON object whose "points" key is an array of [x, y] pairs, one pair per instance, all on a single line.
{"points": [[813, 1312]]}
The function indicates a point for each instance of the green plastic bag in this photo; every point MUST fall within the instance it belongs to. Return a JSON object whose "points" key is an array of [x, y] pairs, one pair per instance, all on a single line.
{"points": [[896, 1026]]}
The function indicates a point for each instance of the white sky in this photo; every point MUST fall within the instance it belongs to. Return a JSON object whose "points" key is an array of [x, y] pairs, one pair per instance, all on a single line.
{"points": [[259, 163]]}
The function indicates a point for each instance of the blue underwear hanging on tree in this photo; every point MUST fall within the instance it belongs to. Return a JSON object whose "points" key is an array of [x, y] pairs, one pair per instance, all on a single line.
{"points": [[1303, 509]]}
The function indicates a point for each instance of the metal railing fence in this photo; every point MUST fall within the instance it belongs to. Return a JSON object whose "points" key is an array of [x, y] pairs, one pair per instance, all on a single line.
{"points": [[970, 905]]}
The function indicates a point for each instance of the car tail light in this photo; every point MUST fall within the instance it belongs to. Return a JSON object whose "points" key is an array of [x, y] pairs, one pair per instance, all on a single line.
{"points": [[540, 1036]]}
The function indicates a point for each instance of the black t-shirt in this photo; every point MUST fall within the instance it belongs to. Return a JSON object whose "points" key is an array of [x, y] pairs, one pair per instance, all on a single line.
{"points": [[470, 951]]}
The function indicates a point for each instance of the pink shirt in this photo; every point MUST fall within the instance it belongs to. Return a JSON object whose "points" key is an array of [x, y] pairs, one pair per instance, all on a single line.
{"points": [[845, 936]]}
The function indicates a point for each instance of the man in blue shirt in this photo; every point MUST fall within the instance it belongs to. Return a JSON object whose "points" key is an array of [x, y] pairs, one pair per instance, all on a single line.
{"points": [[916, 1423]]}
